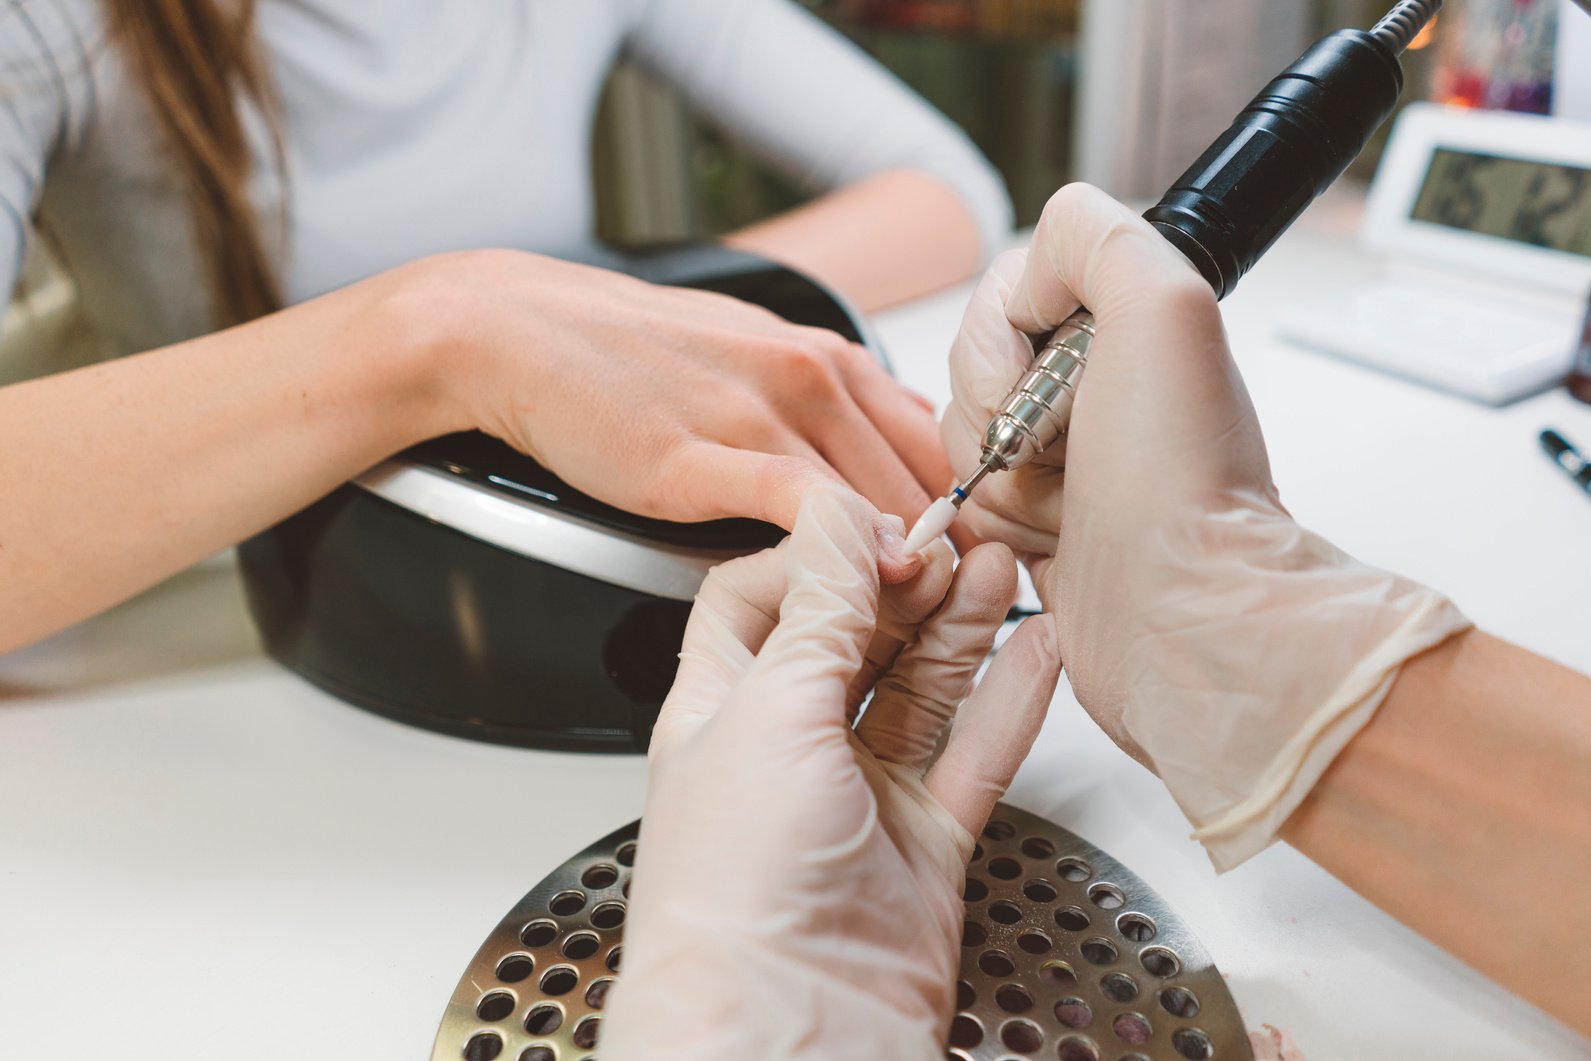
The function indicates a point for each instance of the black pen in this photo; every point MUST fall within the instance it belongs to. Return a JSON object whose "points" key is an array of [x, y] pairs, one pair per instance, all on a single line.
{"points": [[1568, 458]]}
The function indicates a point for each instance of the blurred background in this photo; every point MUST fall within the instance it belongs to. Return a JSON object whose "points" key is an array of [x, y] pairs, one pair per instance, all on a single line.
{"points": [[1121, 93]]}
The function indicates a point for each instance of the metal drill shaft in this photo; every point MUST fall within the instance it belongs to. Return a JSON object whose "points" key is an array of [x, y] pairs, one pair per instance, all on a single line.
{"points": [[1296, 137], [1035, 414], [958, 495]]}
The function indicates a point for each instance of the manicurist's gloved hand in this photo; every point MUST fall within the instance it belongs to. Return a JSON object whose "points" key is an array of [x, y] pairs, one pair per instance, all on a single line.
{"points": [[1225, 647], [798, 887]]}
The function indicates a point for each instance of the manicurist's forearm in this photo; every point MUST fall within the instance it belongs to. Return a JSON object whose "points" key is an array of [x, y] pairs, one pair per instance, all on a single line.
{"points": [[880, 241], [1464, 810], [114, 476]]}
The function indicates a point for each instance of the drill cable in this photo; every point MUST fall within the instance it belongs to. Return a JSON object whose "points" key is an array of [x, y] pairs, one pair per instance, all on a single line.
{"points": [[1404, 22]]}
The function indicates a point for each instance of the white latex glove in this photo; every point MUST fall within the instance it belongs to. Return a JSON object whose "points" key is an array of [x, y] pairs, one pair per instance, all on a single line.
{"points": [[798, 888], [1021, 508], [1225, 647]]}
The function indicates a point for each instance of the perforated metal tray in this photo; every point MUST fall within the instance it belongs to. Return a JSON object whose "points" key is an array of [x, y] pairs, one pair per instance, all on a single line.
{"points": [[1066, 956]]}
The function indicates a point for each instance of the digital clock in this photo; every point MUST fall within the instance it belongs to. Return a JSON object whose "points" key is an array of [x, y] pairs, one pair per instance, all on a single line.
{"points": [[1544, 204], [1487, 194], [1483, 222]]}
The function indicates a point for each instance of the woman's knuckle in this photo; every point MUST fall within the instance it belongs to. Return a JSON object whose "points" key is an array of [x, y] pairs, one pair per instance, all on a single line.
{"points": [[808, 368]]}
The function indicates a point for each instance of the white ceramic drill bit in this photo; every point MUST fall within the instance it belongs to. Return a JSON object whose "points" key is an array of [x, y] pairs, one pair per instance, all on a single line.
{"points": [[942, 513]]}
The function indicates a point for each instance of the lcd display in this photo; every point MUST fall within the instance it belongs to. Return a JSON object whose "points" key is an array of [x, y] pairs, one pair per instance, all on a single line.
{"points": [[1539, 203]]}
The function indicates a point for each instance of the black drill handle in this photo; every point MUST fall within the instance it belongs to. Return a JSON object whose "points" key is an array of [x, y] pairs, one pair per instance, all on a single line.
{"points": [[1286, 148]]}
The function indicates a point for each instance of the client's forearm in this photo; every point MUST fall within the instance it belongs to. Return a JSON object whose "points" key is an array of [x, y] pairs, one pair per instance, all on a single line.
{"points": [[879, 242], [117, 475], [1464, 810]]}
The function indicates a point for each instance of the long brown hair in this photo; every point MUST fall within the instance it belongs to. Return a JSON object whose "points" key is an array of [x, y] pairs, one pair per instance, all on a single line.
{"points": [[196, 61]]}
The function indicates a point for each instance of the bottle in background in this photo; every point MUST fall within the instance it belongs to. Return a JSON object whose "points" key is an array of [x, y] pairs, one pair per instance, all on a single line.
{"points": [[1579, 382], [1497, 55]]}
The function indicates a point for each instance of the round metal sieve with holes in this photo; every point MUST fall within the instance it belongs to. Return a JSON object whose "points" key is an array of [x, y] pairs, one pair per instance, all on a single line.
{"points": [[1066, 956]]}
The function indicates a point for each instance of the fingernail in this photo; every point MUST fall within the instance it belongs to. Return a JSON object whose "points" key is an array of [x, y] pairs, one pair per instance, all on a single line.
{"points": [[893, 546]]}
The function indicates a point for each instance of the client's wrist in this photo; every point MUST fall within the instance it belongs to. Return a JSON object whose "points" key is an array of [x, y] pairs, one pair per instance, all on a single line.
{"points": [[412, 339], [437, 328]]}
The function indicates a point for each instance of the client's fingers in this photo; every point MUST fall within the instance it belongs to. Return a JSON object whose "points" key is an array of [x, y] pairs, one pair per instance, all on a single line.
{"points": [[920, 693], [713, 481], [996, 726], [904, 418]]}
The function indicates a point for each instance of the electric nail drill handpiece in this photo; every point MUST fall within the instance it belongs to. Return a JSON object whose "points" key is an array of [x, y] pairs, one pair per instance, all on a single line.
{"points": [[1286, 148]]}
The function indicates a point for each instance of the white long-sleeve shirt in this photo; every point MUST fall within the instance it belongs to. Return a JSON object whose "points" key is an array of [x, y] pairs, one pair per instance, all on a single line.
{"points": [[414, 127]]}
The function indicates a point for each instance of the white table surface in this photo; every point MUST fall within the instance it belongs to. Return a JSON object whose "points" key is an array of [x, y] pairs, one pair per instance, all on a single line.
{"points": [[203, 856]]}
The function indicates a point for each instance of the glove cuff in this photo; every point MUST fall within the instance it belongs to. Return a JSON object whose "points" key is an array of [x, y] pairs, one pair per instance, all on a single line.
{"points": [[1250, 825], [1275, 652]]}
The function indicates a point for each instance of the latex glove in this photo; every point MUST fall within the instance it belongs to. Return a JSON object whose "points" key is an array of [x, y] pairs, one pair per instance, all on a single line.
{"points": [[797, 892], [1224, 646], [1021, 508]]}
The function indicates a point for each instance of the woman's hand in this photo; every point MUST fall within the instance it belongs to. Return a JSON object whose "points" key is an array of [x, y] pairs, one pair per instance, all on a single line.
{"points": [[1224, 646], [674, 403], [677, 404], [797, 892]]}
